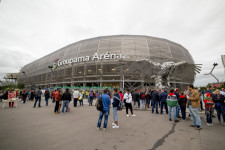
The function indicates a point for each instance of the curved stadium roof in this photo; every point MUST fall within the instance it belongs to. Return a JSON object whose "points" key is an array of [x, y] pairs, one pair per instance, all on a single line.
{"points": [[133, 47]]}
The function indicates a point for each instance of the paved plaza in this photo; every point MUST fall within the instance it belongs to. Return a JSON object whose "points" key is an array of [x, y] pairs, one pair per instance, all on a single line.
{"points": [[28, 128]]}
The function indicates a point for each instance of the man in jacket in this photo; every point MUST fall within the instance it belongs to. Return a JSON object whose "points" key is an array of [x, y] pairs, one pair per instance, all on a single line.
{"points": [[57, 99], [66, 98], [75, 96], [155, 101], [38, 94], [162, 97], [106, 107], [194, 104]]}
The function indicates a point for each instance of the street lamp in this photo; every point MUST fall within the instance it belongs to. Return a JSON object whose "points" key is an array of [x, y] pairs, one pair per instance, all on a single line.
{"points": [[214, 65]]}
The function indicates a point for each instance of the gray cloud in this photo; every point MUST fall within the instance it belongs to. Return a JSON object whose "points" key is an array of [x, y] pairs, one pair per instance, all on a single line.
{"points": [[32, 29]]}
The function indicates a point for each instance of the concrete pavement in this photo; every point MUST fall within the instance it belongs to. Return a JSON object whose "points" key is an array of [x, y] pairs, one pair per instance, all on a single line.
{"points": [[28, 128]]}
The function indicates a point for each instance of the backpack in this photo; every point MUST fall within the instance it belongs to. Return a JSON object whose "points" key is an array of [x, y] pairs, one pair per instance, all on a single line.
{"points": [[99, 104], [91, 95]]}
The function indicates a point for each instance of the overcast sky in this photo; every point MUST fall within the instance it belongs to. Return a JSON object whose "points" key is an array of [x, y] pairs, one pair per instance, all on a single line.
{"points": [[31, 29]]}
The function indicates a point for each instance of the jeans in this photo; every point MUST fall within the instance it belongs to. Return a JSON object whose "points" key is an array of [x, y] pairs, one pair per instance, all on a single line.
{"points": [[142, 104], [106, 115], [39, 100], [81, 102], [177, 110], [90, 101], [65, 104], [174, 112], [115, 117], [220, 110], [209, 113], [46, 100], [183, 112], [223, 113], [196, 121], [75, 102], [155, 106], [161, 107]]}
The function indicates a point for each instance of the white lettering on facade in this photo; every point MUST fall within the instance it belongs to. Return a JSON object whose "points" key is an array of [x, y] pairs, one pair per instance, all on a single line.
{"points": [[105, 56]]}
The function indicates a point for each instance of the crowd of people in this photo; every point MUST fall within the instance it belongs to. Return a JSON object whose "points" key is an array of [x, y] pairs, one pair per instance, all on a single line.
{"points": [[167, 100]]}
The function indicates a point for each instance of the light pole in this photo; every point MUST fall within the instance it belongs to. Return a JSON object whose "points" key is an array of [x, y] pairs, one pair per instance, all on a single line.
{"points": [[214, 65]]}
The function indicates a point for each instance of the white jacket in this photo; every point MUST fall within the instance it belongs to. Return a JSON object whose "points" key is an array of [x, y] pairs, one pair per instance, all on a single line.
{"points": [[76, 94], [127, 97]]}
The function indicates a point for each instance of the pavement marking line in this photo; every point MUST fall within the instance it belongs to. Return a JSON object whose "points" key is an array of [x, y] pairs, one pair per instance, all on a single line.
{"points": [[162, 140]]}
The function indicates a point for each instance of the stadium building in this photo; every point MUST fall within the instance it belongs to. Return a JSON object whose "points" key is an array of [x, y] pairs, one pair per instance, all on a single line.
{"points": [[124, 61]]}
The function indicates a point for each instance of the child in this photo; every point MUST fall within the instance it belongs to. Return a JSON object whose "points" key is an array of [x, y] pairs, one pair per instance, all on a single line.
{"points": [[182, 102], [208, 108]]}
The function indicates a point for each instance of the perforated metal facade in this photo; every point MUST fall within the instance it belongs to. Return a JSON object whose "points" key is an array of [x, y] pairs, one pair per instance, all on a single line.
{"points": [[132, 48]]}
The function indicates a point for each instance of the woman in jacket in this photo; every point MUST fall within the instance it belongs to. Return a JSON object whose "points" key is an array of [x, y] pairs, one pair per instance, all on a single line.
{"points": [[116, 102], [218, 99], [128, 100]]}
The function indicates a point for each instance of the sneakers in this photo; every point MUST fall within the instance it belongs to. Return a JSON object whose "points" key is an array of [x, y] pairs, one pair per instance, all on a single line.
{"points": [[104, 129], [113, 124], [209, 124], [98, 128], [192, 125], [176, 121], [127, 115], [133, 115], [115, 127], [170, 119]]}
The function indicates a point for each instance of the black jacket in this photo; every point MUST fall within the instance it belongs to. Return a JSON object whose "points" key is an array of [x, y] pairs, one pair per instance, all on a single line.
{"points": [[155, 96], [182, 100], [218, 99], [66, 96]]}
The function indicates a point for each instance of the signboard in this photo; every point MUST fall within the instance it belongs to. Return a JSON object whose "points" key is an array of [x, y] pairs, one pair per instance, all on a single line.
{"points": [[107, 56]]}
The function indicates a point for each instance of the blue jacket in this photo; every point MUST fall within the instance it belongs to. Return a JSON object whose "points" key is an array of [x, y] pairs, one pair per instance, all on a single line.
{"points": [[116, 101], [163, 96], [155, 96], [106, 102]]}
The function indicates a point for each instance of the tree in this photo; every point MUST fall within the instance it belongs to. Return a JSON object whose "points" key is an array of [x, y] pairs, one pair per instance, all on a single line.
{"points": [[20, 85]]}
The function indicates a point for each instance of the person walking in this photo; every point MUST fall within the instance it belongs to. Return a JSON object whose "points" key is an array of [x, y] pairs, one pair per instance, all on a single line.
{"points": [[155, 101], [116, 102], [38, 94], [66, 98], [194, 104], [218, 99], [105, 111], [47, 95], [172, 103], [57, 99], [128, 102], [162, 97], [182, 102], [75, 96]]}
